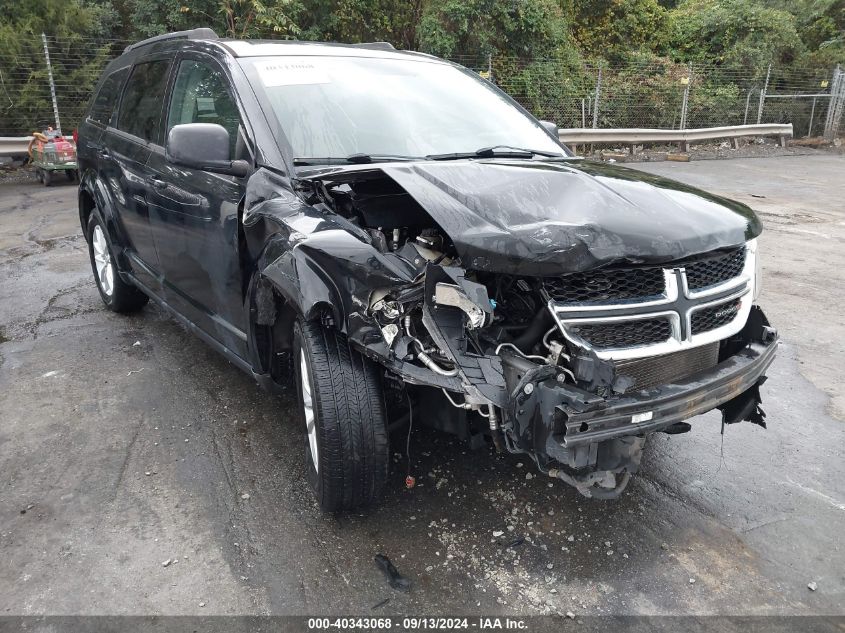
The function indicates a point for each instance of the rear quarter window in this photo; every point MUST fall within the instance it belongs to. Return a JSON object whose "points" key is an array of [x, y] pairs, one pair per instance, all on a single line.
{"points": [[143, 98], [106, 99]]}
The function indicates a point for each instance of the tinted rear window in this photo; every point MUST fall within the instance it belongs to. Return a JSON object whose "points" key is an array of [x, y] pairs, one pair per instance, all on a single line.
{"points": [[106, 99], [140, 108]]}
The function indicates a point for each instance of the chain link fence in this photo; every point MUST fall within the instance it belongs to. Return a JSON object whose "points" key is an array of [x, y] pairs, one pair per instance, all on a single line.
{"points": [[640, 94], [666, 95]]}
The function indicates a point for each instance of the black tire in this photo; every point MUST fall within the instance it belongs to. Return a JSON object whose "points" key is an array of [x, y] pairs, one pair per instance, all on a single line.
{"points": [[124, 297], [70, 175], [349, 417], [47, 177], [38, 175]]}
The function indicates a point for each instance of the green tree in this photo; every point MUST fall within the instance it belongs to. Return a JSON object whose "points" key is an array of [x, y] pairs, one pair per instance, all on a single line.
{"points": [[353, 21], [615, 29], [229, 18], [524, 28], [75, 34], [739, 34]]}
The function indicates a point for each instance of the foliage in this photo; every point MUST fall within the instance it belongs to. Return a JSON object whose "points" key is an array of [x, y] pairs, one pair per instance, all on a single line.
{"points": [[536, 47], [523, 28], [232, 18], [738, 34], [24, 85], [615, 29], [255, 19], [360, 21]]}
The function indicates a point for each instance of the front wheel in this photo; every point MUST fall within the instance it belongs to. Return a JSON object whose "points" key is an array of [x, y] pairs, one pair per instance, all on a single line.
{"points": [[341, 404]]}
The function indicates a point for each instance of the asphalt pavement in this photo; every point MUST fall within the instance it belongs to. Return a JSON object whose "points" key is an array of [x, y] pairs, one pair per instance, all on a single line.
{"points": [[141, 473]]}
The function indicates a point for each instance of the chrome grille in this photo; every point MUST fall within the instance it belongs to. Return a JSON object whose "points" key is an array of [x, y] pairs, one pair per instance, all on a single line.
{"points": [[716, 269], [714, 317], [618, 284], [697, 303], [625, 333], [660, 370]]}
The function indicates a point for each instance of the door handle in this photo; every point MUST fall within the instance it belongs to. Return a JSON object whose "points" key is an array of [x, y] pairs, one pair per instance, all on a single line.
{"points": [[157, 182]]}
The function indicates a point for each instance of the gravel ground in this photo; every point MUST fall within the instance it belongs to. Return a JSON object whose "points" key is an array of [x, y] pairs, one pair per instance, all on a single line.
{"points": [[126, 443], [760, 147]]}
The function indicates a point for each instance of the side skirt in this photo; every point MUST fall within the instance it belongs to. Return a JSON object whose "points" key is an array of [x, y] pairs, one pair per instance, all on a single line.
{"points": [[265, 380]]}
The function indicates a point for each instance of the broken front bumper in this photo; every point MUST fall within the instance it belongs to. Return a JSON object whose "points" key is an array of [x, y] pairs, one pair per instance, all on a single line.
{"points": [[594, 443], [581, 418]]}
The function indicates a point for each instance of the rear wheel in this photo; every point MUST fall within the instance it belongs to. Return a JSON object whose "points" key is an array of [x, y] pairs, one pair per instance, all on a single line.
{"points": [[118, 295], [47, 177], [342, 407]]}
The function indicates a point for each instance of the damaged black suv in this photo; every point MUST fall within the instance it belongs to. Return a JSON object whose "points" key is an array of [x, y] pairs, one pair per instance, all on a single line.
{"points": [[396, 236]]}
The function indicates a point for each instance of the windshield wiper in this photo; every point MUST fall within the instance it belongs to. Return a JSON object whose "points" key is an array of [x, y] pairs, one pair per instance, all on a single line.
{"points": [[352, 159], [497, 151]]}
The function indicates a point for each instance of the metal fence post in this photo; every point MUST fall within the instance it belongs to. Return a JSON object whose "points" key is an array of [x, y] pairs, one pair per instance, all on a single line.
{"points": [[836, 103], [52, 84], [812, 113], [685, 102], [490, 67], [763, 95], [596, 102], [747, 102]]}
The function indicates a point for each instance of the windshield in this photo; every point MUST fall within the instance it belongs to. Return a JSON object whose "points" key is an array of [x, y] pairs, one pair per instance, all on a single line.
{"points": [[344, 106]]}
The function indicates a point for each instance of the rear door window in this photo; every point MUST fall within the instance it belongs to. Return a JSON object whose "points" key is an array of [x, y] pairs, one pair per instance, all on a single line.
{"points": [[106, 99], [141, 105]]}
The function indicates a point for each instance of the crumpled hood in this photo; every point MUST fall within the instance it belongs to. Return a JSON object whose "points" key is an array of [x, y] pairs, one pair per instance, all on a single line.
{"points": [[548, 217], [532, 217]]}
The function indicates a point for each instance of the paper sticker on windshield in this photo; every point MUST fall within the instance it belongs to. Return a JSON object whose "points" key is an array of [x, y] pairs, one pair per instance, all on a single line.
{"points": [[291, 73]]}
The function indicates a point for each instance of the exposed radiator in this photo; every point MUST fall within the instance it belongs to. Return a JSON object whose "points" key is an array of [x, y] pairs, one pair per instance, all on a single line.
{"points": [[660, 370]]}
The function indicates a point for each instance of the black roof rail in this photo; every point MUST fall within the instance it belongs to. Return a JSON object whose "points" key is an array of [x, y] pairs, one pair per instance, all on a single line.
{"points": [[193, 34], [376, 46]]}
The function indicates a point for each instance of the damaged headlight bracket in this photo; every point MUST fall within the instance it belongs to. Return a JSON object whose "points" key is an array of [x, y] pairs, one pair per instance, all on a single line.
{"points": [[447, 286], [451, 295]]}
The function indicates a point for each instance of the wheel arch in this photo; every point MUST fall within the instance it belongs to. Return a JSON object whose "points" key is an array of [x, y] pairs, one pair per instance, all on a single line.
{"points": [[86, 208], [273, 307], [93, 199]]}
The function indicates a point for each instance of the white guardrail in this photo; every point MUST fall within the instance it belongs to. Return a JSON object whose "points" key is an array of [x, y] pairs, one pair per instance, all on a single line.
{"points": [[14, 145], [637, 136]]}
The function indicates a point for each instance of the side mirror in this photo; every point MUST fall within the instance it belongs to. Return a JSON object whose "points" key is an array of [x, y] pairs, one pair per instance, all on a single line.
{"points": [[203, 146], [550, 127]]}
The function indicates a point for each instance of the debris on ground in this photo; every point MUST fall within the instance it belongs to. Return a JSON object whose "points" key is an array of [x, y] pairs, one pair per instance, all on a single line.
{"points": [[245, 496], [167, 562], [394, 578], [812, 586], [380, 604]]}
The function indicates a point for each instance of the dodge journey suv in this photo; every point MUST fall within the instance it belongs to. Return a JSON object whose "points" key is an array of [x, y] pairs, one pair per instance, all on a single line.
{"points": [[400, 240]]}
